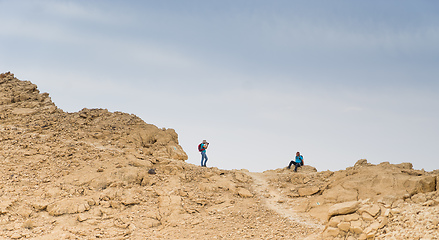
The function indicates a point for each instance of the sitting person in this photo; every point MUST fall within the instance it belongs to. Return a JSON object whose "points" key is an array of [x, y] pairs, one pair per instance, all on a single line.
{"points": [[298, 162]]}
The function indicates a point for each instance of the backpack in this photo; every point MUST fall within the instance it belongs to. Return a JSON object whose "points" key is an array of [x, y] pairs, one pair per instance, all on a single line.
{"points": [[302, 163], [200, 148]]}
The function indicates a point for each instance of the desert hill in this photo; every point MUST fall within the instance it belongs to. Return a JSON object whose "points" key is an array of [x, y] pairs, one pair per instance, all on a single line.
{"points": [[98, 174]]}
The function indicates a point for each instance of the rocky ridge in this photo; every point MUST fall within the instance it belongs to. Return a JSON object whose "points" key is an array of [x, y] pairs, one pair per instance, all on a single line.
{"points": [[384, 201], [97, 174]]}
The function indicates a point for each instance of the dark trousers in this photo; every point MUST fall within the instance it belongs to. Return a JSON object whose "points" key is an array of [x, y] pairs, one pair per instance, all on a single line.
{"points": [[296, 165]]}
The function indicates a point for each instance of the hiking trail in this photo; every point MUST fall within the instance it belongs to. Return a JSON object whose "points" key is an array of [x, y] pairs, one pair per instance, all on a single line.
{"points": [[277, 203]]}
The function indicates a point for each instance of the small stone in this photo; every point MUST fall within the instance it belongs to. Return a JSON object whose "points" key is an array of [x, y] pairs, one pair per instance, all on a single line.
{"points": [[375, 226], [356, 227], [129, 200], [81, 217], [357, 223], [370, 235], [242, 192], [387, 213], [373, 210], [29, 224], [334, 221], [16, 235], [344, 226], [308, 191], [40, 205], [367, 217], [362, 236], [351, 217], [419, 198], [429, 203], [356, 230], [395, 211], [383, 221], [343, 208], [24, 212], [331, 232], [132, 227], [398, 203]]}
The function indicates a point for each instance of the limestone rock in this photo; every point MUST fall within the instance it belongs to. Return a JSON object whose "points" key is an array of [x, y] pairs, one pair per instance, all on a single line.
{"points": [[356, 227], [307, 191], [242, 192], [16, 235], [344, 226], [372, 210], [343, 208], [29, 224], [351, 217], [367, 217], [68, 206], [331, 232]]}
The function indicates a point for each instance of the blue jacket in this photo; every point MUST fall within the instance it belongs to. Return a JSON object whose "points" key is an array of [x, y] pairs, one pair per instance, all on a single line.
{"points": [[299, 159], [203, 146]]}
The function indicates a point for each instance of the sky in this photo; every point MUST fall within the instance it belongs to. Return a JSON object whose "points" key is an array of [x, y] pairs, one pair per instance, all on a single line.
{"points": [[260, 80]]}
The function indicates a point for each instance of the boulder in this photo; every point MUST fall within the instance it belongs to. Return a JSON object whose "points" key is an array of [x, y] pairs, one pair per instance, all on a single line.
{"points": [[242, 192], [356, 227], [308, 191], [344, 226], [373, 210], [68, 206], [331, 232], [367, 217], [419, 184], [343, 208]]}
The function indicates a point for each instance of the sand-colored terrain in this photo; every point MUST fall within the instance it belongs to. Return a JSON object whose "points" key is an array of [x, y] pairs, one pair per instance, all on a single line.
{"points": [[98, 174]]}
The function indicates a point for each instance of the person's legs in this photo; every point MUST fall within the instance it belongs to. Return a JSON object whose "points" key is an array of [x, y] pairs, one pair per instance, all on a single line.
{"points": [[295, 166], [291, 163], [203, 159]]}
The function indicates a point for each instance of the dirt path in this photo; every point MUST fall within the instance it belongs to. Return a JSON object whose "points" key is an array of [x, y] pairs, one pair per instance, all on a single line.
{"points": [[274, 201]]}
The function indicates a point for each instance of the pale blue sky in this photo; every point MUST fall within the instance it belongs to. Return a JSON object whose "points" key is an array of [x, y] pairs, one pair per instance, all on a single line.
{"points": [[336, 80]]}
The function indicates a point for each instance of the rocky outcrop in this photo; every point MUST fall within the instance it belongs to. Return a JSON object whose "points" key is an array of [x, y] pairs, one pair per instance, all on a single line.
{"points": [[360, 220], [25, 110], [414, 218], [361, 201]]}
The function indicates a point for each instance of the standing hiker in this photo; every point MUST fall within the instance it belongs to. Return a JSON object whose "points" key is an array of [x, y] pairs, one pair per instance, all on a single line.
{"points": [[298, 162], [202, 148]]}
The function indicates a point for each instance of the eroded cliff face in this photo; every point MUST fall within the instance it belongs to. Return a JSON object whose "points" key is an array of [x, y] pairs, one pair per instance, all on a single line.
{"points": [[25, 110], [97, 174], [365, 201]]}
